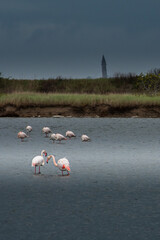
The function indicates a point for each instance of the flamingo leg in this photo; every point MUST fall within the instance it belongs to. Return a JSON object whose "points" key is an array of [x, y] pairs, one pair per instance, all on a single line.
{"points": [[62, 173], [35, 169], [39, 169]]}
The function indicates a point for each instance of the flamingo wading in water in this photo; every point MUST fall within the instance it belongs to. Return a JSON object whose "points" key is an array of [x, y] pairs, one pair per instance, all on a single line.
{"points": [[22, 135], [85, 138], [70, 134], [46, 130], [39, 160], [62, 164], [29, 129], [59, 137], [53, 137]]}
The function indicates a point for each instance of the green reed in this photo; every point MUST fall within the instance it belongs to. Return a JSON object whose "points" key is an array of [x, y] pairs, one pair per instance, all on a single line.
{"points": [[25, 99]]}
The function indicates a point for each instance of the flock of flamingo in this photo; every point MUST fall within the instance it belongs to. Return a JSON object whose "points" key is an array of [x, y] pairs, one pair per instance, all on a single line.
{"points": [[38, 161]]}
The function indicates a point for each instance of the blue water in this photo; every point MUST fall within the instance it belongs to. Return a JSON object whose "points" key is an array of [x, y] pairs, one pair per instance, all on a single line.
{"points": [[113, 191]]}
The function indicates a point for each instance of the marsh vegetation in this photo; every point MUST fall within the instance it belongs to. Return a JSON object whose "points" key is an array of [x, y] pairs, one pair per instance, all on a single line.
{"points": [[30, 99], [102, 97], [118, 84]]}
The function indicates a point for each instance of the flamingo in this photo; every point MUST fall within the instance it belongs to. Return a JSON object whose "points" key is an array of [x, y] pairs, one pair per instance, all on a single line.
{"points": [[22, 135], [53, 137], [39, 160], [46, 130], [70, 134], [85, 138], [59, 137], [29, 129], [62, 164]]}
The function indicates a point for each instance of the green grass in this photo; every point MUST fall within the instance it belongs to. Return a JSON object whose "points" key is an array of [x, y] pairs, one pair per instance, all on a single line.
{"points": [[26, 99]]}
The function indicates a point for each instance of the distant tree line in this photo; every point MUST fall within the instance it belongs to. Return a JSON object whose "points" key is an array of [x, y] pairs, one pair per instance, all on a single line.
{"points": [[121, 83]]}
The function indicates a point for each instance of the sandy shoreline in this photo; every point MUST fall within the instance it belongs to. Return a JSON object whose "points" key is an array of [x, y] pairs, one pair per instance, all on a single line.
{"points": [[86, 111]]}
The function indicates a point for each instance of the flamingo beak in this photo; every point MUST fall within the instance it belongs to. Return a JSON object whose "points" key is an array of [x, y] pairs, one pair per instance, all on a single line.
{"points": [[45, 154], [47, 161]]}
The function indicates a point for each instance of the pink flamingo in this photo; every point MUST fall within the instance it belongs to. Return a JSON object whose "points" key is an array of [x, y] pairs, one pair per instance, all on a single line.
{"points": [[39, 160], [46, 130], [52, 137], [85, 138], [59, 137], [29, 129], [22, 135], [70, 134], [62, 164]]}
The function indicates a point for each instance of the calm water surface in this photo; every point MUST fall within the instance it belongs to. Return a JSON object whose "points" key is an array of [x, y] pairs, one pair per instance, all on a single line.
{"points": [[113, 191]]}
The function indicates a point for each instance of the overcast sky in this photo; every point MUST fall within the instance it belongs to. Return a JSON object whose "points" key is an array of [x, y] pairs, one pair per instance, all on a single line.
{"points": [[51, 38]]}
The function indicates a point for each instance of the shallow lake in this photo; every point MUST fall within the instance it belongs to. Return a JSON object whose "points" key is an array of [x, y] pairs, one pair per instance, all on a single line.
{"points": [[113, 191]]}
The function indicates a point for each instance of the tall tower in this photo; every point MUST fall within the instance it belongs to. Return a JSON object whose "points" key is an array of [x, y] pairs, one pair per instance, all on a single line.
{"points": [[104, 69]]}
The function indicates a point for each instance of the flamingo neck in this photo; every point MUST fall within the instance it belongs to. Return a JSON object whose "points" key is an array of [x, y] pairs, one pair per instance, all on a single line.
{"points": [[54, 161], [42, 153]]}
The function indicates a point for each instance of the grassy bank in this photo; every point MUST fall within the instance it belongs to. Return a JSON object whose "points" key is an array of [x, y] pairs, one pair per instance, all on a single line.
{"points": [[27, 99]]}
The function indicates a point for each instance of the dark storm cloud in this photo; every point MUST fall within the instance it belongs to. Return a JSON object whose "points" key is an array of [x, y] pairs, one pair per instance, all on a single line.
{"points": [[68, 38]]}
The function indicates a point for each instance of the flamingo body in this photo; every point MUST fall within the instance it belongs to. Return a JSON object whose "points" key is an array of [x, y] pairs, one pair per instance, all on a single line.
{"points": [[70, 134], [29, 129], [63, 164], [59, 137], [46, 130], [39, 160], [85, 138], [22, 135], [53, 136]]}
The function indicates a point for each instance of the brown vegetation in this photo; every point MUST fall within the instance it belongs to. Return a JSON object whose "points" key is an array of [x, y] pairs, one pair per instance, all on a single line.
{"points": [[118, 84]]}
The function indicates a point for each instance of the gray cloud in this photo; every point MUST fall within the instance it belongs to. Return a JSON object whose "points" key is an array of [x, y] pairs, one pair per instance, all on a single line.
{"points": [[67, 38]]}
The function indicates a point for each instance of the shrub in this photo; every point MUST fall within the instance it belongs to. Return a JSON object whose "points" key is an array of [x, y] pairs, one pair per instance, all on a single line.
{"points": [[149, 83]]}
